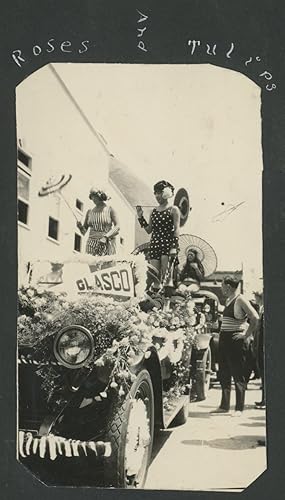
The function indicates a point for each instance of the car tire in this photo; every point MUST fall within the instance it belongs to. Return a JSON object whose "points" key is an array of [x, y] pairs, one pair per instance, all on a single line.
{"points": [[203, 375], [119, 430]]}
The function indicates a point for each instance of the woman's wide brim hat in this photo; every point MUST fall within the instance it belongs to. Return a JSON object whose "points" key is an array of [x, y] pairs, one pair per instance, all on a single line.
{"points": [[205, 252]]}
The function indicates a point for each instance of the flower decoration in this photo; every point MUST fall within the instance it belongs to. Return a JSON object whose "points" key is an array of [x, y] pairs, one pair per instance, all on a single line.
{"points": [[167, 193], [122, 333]]}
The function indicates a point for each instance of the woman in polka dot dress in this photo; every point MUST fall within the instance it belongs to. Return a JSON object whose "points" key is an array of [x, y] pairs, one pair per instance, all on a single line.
{"points": [[163, 226]]}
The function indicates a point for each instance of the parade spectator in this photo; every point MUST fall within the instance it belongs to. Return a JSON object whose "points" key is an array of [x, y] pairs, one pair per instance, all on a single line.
{"points": [[239, 322], [193, 267], [103, 223], [252, 371], [259, 343], [163, 225]]}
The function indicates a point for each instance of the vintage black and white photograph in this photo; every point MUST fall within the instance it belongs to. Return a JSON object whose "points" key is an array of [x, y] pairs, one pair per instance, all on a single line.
{"points": [[140, 277]]}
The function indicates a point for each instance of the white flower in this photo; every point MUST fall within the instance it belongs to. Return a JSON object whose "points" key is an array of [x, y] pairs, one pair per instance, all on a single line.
{"points": [[125, 341], [39, 302], [48, 317], [190, 306], [111, 350], [167, 193], [121, 391], [99, 362], [192, 320], [135, 339], [21, 318]]}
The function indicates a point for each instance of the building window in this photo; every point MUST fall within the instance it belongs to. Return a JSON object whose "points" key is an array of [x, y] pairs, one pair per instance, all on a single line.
{"points": [[121, 240], [23, 181], [77, 242], [53, 228], [24, 159], [23, 212], [79, 205]]}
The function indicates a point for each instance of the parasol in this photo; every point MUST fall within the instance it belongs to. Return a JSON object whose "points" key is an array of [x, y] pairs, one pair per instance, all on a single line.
{"points": [[143, 248], [181, 201], [205, 252], [55, 185]]}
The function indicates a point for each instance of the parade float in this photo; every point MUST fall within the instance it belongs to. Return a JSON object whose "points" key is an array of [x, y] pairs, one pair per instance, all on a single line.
{"points": [[103, 366], [100, 373]]}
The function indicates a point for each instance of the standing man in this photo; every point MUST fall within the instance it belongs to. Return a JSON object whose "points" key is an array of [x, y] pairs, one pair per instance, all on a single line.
{"points": [[239, 322], [259, 343]]}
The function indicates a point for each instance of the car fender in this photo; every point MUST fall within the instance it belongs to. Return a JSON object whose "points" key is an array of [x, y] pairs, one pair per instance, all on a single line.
{"points": [[153, 365]]}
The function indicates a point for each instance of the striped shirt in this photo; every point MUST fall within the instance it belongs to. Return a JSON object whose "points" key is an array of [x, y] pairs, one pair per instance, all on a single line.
{"points": [[230, 323], [100, 223]]}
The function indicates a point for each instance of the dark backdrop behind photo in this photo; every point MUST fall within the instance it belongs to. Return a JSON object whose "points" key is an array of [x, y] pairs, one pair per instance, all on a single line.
{"points": [[247, 38]]}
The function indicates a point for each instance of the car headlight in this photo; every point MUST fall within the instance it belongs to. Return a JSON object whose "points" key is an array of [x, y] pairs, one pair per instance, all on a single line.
{"points": [[73, 346]]}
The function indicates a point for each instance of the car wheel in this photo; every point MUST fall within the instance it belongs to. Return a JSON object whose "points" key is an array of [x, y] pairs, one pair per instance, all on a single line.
{"points": [[203, 375], [130, 430]]}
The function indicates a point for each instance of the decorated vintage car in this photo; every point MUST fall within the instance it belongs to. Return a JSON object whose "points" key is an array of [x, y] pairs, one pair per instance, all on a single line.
{"points": [[98, 376]]}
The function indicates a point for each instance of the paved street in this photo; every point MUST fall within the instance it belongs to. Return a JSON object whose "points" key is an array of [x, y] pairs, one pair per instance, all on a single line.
{"points": [[211, 452]]}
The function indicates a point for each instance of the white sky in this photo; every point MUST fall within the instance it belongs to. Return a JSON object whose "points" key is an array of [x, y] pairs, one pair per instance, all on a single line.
{"points": [[198, 126]]}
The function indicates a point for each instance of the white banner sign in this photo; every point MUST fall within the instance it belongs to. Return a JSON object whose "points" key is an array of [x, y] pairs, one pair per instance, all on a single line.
{"points": [[117, 280], [77, 279]]}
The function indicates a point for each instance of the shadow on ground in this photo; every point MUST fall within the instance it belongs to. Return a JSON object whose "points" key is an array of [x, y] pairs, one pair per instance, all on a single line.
{"points": [[254, 424], [232, 443], [262, 417], [159, 441], [205, 406], [199, 414]]}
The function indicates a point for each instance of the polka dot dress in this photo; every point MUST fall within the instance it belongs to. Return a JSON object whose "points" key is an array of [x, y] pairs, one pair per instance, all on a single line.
{"points": [[162, 233]]}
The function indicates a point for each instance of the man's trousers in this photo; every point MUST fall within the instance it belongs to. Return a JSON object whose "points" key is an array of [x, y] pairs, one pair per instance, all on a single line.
{"points": [[232, 358]]}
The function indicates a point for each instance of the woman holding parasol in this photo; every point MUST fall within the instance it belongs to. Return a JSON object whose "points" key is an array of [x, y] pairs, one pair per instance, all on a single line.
{"points": [[102, 221], [197, 260], [163, 226], [193, 268]]}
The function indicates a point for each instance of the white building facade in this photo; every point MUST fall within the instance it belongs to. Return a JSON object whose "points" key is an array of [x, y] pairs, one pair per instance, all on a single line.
{"points": [[53, 138]]}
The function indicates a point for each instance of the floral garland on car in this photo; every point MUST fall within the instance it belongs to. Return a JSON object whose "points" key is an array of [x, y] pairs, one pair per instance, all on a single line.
{"points": [[122, 334]]}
